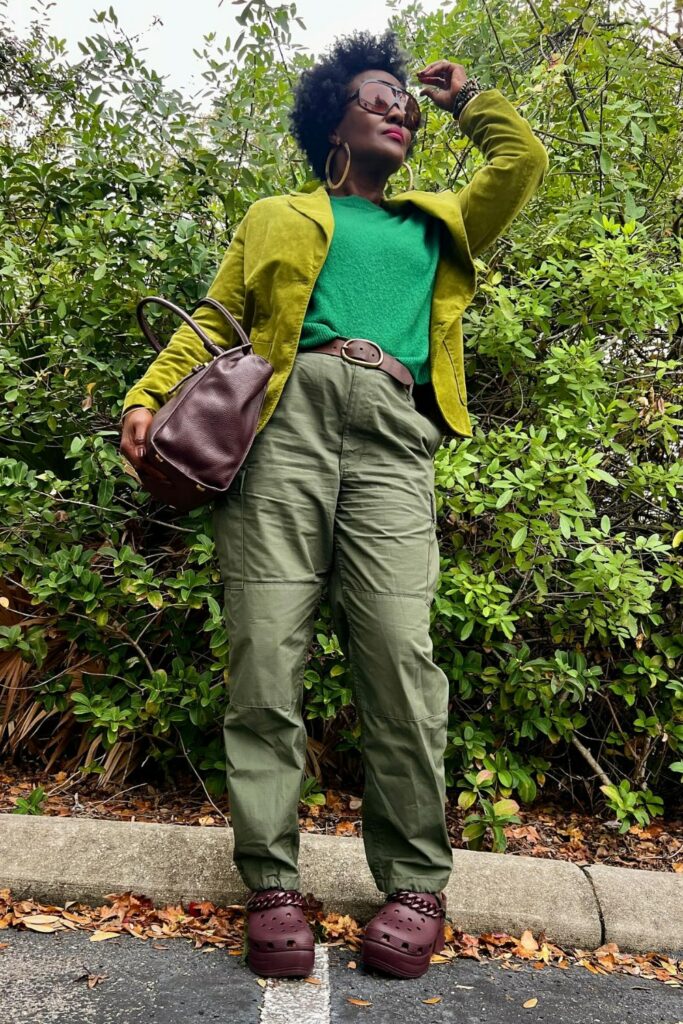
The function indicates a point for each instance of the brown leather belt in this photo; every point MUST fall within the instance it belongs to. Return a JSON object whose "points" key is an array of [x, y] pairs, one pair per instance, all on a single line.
{"points": [[366, 353]]}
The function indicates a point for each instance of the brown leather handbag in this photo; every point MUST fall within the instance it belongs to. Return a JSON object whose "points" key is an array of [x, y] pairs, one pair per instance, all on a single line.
{"points": [[201, 436]]}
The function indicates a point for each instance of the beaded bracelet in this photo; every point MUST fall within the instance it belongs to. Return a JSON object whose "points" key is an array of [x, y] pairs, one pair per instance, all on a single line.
{"points": [[465, 93]]}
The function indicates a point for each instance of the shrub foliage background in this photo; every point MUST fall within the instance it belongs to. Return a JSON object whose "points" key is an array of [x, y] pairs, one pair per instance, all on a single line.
{"points": [[558, 616]]}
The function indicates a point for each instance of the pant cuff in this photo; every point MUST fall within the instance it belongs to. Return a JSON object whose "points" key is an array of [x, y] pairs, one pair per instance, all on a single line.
{"points": [[389, 885], [272, 882]]}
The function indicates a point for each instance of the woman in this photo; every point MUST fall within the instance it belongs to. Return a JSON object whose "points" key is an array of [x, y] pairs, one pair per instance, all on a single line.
{"points": [[339, 490]]}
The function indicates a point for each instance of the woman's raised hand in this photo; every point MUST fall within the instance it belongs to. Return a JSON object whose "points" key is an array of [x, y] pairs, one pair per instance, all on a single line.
{"points": [[442, 79]]}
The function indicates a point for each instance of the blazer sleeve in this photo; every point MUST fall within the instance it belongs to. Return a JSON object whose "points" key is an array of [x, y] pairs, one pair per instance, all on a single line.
{"points": [[185, 349], [517, 162]]}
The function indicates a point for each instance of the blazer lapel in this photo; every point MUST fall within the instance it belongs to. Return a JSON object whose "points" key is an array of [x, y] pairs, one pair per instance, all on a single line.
{"points": [[315, 205]]}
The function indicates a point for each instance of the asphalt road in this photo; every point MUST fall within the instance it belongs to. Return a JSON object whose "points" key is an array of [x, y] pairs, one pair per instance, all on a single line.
{"points": [[43, 980]]}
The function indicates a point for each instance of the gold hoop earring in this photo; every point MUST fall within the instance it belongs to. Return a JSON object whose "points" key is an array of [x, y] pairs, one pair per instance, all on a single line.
{"points": [[410, 173], [331, 153]]}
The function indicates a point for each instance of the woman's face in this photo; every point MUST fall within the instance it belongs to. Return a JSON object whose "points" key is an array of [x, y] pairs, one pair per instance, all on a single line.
{"points": [[378, 141]]}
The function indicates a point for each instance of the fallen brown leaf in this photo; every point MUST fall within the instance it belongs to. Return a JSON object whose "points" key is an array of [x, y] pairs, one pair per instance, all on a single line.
{"points": [[334, 801], [39, 926], [345, 828]]}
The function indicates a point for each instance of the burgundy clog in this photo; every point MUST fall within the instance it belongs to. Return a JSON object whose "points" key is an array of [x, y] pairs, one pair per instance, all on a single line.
{"points": [[401, 938], [280, 942]]}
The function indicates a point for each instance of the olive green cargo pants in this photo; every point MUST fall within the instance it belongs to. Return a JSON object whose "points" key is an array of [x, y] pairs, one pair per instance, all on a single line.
{"points": [[337, 491]]}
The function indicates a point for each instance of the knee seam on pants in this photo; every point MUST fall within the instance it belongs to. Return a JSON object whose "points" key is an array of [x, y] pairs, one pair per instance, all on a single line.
{"points": [[440, 715], [416, 595], [298, 684], [346, 589]]}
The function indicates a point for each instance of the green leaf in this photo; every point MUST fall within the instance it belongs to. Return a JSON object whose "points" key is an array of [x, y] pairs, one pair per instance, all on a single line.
{"points": [[526, 787], [605, 161], [466, 629], [637, 133], [519, 538], [502, 808], [466, 798], [504, 499]]}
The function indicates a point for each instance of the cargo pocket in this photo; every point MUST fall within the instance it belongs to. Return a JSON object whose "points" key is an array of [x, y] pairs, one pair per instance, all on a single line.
{"points": [[228, 532]]}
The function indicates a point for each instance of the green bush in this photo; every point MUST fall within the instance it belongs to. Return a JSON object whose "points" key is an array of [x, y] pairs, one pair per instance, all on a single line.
{"points": [[558, 616]]}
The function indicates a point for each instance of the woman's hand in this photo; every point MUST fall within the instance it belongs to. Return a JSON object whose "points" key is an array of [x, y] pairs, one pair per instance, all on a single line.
{"points": [[442, 80], [133, 447]]}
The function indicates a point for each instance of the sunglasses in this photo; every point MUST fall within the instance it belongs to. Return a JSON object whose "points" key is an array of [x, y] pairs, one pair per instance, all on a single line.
{"points": [[379, 97]]}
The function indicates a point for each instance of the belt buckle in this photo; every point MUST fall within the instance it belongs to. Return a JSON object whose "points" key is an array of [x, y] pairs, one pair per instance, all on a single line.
{"points": [[361, 362]]}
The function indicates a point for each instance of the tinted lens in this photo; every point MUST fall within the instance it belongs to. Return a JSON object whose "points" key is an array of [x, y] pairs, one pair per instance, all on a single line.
{"points": [[412, 116], [378, 97]]}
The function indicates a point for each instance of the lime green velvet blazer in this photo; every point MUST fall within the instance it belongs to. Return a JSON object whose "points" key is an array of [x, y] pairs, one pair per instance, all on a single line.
{"points": [[277, 251]]}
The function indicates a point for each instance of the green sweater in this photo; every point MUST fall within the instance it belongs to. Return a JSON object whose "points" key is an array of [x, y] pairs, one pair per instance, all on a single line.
{"points": [[377, 281]]}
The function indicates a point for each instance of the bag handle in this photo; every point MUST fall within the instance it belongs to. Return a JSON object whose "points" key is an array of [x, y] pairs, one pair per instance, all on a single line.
{"points": [[209, 345]]}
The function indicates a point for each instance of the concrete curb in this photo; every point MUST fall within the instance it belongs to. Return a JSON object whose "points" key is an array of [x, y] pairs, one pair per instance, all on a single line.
{"points": [[639, 916], [55, 859]]}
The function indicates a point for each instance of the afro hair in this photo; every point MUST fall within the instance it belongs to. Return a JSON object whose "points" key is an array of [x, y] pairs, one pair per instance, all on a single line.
{"points": [[321, 92]]}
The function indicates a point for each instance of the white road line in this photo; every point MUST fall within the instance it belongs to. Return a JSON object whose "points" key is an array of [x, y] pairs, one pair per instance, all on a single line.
{"points": [[293, 999]]}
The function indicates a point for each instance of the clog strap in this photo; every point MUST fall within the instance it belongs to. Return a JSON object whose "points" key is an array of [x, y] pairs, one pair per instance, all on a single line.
{"points": [[416, 901], [267, 899]]}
